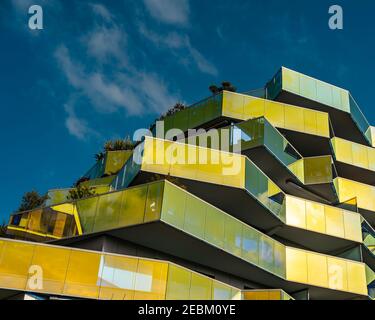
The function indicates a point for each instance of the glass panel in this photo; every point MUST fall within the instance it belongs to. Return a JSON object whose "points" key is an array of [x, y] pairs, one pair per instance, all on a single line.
{"points": [[315, 217], [109, 208], [317, 267], [337, 274], [221, 291], [178, 287], [15, 261], [54, 264], [296, 265], [279, 259], [133, 206], [233, 236], [295, 212], [195, 216], [360, 158], [334, 222], [324, 93], [87, 211], [266, 253], [352, 226], [118, 278], [308, 87], [151, 280], [83, 275], [357, 278], [250, 245], [201, 287], [154, 201], [215, 230], [173, 208], [294, 118]]}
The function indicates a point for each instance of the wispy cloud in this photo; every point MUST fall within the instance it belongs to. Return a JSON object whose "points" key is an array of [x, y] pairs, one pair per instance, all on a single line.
{"points": [[77, 127], [101, 11], [169, 11], [176, 41]]}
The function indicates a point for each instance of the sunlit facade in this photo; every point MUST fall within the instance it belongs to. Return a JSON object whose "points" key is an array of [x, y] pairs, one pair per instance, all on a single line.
{"points": [[285, 210]]}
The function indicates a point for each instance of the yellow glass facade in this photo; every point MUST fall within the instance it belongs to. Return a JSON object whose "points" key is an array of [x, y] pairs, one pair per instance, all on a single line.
{"points": [[280, 115], [93, 275]]}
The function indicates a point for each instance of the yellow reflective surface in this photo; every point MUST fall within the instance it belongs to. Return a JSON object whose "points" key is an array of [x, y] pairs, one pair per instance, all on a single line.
{"points": [[95, 275], [325, 271], [244, 107], [321, 218]]}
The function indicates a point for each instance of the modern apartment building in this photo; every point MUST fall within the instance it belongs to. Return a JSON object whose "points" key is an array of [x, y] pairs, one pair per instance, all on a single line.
{"points": [[283, 207]]}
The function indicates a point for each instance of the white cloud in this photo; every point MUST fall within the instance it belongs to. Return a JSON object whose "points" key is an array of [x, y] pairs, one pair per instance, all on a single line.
{"points": [[105, 43], [77, 127], [102, 11], [169, 11], [175, 41]]}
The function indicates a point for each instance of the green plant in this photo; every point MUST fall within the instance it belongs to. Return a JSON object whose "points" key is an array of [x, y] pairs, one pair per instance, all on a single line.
{"points": [[81, 192], [32, 200], [225, 85]]}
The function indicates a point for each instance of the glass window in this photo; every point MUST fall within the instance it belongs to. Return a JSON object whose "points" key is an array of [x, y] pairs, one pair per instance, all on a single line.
{"points": [[296, 265], [178, 287], [334, 222]]}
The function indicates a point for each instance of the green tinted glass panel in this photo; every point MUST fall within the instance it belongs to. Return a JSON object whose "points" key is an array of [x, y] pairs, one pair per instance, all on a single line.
{"points": [[195, 216], [215, 230], [133, 206], [266, 255], [87, 212], [178, 284], [233, 236], [250, 245], [154, 201], [173, 211], [109, 208]]}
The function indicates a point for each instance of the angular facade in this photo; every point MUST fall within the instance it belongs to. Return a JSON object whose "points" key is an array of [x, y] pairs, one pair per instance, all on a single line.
{"points": [[273, 200]]}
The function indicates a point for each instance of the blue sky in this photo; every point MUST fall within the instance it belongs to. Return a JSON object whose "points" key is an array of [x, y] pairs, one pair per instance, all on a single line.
{"points": [[102, 69]]}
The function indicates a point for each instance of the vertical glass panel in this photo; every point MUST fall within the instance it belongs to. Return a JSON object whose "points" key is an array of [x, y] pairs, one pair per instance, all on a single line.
{"points": [[151, 280], [154, 201], [334, 222], [371, 158], [360, 157], [356, 278], [54, 264], [109, 208], [233, 236], [253, 107], [250, 245], [322, 124], [308, 87], [296, 265], [315, 217], [87, 211], [294, 118], [173, 209], [38, 222], [133, 206], [118, 278], [295, 212], [200, 288], [233, 105], [317, 270], [291, 81], [318, 170], [195, 216], [274, 113], [337, 274], [279, 259], [83, 275], [310, 121], [266, 253], [220, 291], [352, 226], [178, 287], [324, 93], [15, 261], [214, 230], [197, 115]]}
